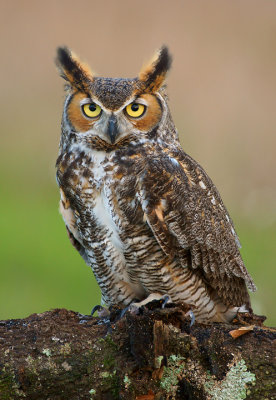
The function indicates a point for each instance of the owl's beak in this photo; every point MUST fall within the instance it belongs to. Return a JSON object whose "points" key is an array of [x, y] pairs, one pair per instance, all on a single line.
{"points": [[112, 128]]}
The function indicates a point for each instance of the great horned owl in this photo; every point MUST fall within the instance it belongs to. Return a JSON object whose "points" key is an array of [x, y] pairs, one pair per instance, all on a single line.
{"points": [[141, 212]]}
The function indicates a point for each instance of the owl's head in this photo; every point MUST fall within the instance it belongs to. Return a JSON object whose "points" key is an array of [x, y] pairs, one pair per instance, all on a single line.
{"points": [[106, 113]]}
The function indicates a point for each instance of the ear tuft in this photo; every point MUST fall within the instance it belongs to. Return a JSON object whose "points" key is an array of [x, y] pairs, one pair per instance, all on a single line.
{"points": [[77, 73], [153, 75]]}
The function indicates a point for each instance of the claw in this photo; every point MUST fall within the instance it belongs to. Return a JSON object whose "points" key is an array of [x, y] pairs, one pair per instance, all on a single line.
{"points": [[132, 308], [165, 300], [102, 312], [192, 316]]}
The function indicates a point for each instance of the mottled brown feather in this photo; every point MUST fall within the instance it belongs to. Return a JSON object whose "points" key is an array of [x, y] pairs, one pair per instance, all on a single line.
{"points": [[142, 213], [195, 224]]}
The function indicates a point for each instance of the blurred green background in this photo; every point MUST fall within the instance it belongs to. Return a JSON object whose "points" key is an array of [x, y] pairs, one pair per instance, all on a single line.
{"points": [[222, 90]]}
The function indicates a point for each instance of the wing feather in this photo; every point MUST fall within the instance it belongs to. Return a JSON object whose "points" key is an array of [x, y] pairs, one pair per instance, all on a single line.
{"points": [[185, 212]]}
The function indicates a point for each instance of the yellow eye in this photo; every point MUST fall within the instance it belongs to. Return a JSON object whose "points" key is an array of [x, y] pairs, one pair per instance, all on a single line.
{"points": [[91, 110], [135, 110]]}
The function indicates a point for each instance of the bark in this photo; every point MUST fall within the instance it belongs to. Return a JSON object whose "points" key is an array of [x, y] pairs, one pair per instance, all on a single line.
{"points": [[61, 354]]}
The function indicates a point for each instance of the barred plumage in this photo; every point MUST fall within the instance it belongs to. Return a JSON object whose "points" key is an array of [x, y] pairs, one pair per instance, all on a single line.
{"points": [[141, 212]]}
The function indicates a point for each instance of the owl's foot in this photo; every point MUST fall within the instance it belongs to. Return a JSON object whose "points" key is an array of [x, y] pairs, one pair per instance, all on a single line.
{"points": [[132, 308], [102, 312], [153, 301]]}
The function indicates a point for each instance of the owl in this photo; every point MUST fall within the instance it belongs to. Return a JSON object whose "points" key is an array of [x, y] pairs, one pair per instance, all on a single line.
{"points": [[142, 213]]}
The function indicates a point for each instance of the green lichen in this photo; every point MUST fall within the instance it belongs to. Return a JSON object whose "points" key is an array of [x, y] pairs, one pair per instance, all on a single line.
{"points": [[106, 374], [174, 369], [92, 392], [158, 361], [110, 382], [47, 352], [127, 382], [233, 386]]}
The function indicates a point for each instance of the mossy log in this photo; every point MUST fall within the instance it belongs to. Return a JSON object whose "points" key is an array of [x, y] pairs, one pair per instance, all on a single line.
{"points": [[62, 354]]}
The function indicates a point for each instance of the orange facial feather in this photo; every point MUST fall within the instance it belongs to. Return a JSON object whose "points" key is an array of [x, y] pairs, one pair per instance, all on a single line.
{"points": [[152, 116], [76, 116]]}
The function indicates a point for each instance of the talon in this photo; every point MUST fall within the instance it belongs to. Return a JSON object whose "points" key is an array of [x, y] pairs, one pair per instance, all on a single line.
{"points": [[102, 312], [165, 300], [192, 316], [123, 312], [132, 308]]}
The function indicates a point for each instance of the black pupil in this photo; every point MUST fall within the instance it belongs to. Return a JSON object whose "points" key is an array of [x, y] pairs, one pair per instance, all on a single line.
{"points": [[92, 107], [135, 107]]}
